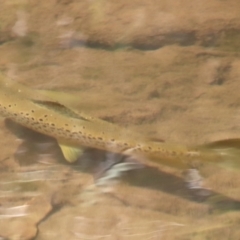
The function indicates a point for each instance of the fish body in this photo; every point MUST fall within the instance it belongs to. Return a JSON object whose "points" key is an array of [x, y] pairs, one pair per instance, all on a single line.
{"points": [[74, 130]]}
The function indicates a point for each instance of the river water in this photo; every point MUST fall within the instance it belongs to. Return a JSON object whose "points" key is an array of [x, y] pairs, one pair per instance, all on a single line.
{"points": [[168, 70]]}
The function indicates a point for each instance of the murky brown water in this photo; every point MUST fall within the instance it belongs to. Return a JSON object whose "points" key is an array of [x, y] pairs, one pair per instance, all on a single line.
{"points": [[169, 70]]}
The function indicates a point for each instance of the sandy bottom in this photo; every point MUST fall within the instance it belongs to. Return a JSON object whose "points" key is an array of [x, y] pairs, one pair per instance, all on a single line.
{"points": [[180, 91]]}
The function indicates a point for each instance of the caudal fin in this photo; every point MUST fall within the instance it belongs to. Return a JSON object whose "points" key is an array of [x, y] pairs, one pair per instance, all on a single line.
{"points": [[228, 152]]}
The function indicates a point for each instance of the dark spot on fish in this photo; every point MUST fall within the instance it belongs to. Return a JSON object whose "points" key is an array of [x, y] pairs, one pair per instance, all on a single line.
{"points": [[40, 119], [52, 124], [112, 140], [99, 138], [32, 111]]}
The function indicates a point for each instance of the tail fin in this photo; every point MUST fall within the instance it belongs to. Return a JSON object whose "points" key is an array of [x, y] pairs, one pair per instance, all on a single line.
{"points": [[228, 151], [226, 143]]}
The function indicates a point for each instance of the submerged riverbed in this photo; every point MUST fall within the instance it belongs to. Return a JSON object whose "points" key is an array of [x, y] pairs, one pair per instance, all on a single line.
{"points": [[169, 70]]}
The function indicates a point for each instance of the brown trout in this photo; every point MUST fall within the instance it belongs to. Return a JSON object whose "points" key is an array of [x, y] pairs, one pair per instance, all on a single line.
{"points": [[74, 130]]}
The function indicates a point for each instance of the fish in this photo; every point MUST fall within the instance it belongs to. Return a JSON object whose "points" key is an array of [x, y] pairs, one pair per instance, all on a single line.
{"points": [[75, 131]]}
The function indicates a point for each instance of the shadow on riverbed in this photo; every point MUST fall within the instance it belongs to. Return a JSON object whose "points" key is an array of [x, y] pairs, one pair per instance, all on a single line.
{"points": [[38, 146]]}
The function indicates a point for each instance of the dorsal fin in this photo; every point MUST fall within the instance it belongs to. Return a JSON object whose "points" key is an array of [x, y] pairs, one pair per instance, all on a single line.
{"points": [[155, 139], [58, 107]]}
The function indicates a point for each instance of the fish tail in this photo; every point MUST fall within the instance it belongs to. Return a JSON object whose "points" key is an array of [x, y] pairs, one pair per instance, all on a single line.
{"points": [[225, 153]]}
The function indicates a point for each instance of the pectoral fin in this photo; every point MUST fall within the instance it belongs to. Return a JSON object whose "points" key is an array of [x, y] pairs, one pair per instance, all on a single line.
{"points": [[25, 133], [71, 154]]}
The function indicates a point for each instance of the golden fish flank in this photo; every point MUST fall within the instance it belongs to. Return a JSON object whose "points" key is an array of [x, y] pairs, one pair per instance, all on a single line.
{"points": [[74, 130]]}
